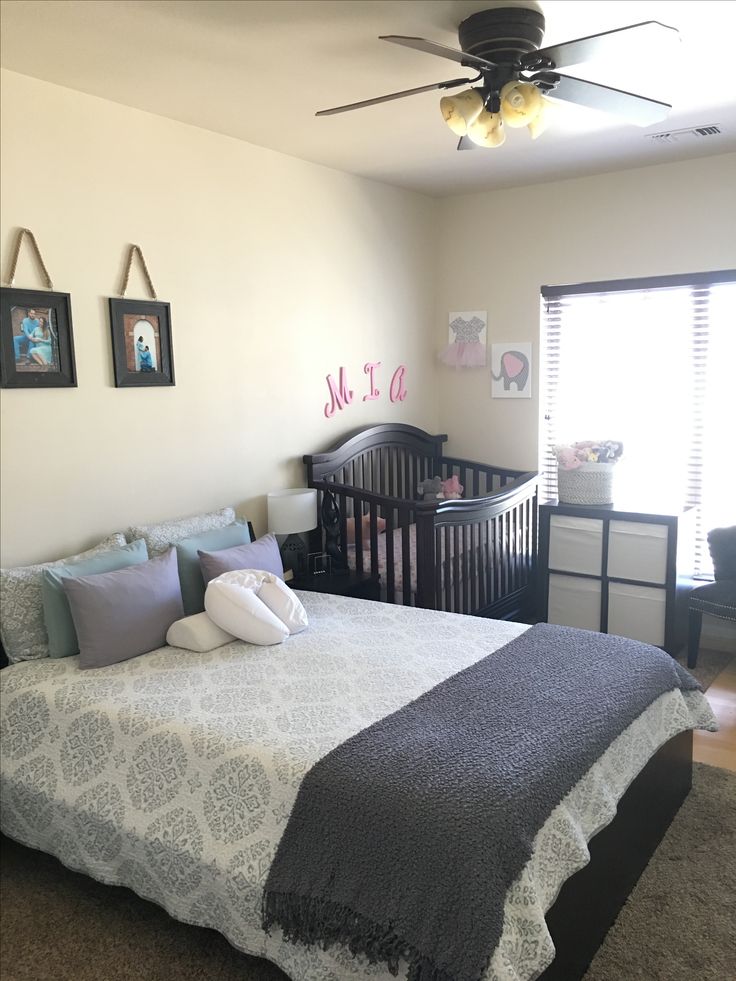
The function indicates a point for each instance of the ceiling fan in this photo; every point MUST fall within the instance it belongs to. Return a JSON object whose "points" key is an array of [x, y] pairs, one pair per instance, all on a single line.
{"points": [[516, 76]]}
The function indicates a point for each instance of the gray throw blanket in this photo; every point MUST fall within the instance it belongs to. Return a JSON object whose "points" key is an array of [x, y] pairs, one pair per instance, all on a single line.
{"points": [[404, 840]]}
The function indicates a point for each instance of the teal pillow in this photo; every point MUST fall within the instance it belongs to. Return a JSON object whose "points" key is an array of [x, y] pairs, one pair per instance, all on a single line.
{"points": [[56, 612], [190, 573]]}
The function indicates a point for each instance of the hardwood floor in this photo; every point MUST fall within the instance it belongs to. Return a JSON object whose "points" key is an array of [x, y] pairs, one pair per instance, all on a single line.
{"points": [[719, 748]]}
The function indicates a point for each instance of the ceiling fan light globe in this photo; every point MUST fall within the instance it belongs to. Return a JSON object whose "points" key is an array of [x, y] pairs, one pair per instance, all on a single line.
{"points": [[540, 122], [461, 110], [487, 130], [521, 103]]}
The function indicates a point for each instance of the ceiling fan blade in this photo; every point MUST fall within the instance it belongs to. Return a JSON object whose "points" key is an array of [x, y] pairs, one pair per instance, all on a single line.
{"points": [[432, 47], [635, 109], [465, 143], [649, 39], [394, 95]]}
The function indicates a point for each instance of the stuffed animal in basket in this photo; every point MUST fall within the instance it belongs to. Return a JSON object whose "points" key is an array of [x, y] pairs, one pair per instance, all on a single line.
{"points": [[430, 489], [452, 489]]}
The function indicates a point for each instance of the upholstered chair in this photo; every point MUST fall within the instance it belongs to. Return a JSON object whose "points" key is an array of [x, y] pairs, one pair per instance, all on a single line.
{"points": [[715, 598]]}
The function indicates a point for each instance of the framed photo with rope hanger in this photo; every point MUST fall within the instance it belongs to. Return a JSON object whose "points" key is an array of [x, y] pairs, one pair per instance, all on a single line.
{"points": [[141, 336], [36, 340]]}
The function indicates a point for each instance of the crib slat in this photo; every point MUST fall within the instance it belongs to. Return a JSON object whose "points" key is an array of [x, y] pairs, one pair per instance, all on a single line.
{"points": [[390, 568], [374, 538], [405, 556], [447, 568], [482, 564], [465, 569], [456, 568], [358, 528]]}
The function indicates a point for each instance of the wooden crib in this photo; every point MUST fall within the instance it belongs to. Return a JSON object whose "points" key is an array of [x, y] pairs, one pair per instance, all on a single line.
{"points": [[474, 555]]}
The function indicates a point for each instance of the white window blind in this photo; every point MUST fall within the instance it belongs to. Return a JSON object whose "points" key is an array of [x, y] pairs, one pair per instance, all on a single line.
{"points": [[652, 363]]}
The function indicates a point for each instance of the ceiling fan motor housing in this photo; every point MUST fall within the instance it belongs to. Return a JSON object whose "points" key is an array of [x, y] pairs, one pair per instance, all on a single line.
{"points": [[503, 34]]}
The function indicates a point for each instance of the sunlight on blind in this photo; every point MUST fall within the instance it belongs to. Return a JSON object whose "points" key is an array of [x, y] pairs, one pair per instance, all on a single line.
{"points": [[719, 465], [623, 371], [653, 368]]}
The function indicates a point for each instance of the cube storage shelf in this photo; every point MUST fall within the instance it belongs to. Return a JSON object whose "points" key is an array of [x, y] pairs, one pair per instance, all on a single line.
{"points": [[613, 569]]}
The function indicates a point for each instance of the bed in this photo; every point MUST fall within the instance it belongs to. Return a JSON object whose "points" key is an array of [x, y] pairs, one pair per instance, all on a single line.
{"points": [[474, 555], [175, 773]]}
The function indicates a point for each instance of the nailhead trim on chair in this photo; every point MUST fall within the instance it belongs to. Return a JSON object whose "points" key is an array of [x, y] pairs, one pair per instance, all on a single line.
{"points": [[717, 609]]}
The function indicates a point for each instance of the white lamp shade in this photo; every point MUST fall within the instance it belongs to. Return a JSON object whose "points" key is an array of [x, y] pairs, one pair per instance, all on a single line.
{"points": [[487, 130], [521, 103], [541, 121], [292, 511], [460, 110]]}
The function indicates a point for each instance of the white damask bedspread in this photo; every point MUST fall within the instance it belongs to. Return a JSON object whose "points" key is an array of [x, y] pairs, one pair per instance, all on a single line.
{"points": [[174, 773]]}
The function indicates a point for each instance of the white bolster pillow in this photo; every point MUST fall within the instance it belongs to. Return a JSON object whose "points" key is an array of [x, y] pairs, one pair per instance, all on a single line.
{"points": [[254, 606], [197, 633]]}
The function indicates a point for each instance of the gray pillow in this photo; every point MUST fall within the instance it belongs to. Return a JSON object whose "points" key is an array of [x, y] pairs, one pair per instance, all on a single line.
{"points": [[22, 629], [190, 572], [261, 554], [158, 537], [56, 613], [119, 615]]}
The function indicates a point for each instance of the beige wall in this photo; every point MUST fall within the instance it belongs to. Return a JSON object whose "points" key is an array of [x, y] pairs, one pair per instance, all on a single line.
{"points": [[497, 249], [277, 271]]}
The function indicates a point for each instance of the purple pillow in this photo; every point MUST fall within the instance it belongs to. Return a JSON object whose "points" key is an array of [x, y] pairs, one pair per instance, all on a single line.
{"points": [[261, 554], [118, 615]]}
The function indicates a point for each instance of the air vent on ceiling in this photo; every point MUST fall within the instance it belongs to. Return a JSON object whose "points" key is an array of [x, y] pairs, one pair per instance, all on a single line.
{"points": [[686, 135]]}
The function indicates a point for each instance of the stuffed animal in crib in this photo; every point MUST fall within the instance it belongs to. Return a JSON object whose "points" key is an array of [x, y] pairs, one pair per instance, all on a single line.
{"points": [[452, 489], [430, 489]]}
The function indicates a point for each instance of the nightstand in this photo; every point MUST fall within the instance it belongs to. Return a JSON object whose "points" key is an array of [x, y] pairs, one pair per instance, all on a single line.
{"points": [[359, 584]]}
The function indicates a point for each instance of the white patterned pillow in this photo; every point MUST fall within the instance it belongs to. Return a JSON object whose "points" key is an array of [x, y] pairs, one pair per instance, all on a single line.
{"points": [[160, 536], [22, 627]]}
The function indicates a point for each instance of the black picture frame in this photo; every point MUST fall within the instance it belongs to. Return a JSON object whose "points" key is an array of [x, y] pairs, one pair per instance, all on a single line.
{"points": [[40, 356], [141, 329]]}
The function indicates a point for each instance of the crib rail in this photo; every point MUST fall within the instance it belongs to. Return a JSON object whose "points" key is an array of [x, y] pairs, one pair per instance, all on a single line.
{"points": [[473, 555], [479, 555], [388, 459]]}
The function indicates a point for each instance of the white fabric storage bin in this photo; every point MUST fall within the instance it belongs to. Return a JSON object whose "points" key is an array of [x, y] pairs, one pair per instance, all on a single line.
{"points": [[574, 602], [637, 550], [575, 544], [637, 612]]}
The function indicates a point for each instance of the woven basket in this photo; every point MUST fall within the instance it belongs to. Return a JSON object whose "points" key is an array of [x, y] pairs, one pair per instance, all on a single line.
{"points": [[591, 483]]}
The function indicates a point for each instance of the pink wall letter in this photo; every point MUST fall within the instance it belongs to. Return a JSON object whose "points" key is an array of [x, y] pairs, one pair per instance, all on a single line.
{"points": [[398, 389], [340, 394], [369, 368]]}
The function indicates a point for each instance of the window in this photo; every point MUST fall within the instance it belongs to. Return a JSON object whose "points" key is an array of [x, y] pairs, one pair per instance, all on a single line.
{"points": [[650, 362]]}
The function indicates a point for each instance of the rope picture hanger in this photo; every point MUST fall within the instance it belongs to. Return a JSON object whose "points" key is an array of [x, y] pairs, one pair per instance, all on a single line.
{"points": [[36, 335], [22, 232], [136, 250], [142, 352]]}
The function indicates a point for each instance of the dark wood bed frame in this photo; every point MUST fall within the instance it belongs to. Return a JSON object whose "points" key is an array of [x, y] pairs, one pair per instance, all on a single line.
{"points": [[474, 555], [590, 900]]}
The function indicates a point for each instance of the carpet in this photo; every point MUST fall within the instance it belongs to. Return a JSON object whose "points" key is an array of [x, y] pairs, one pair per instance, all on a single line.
{"points": [[709, 666], [58, 925]]}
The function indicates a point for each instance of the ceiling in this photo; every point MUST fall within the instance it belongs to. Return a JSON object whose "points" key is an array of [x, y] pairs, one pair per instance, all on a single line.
{"points": [[258, 70]]}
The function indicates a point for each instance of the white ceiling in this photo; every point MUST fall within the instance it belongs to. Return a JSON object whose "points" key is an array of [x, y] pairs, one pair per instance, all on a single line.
{"points": [[258, 70]]}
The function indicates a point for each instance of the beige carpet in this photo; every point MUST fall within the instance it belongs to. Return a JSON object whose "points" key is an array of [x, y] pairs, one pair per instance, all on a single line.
{"points": [[709, 666]]}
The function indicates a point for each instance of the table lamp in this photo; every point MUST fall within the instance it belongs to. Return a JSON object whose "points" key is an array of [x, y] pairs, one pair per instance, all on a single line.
{"points": [[292, 512]]}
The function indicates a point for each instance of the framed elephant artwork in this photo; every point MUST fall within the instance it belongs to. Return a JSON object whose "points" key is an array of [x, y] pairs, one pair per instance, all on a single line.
{"points": [[511, 371]]}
